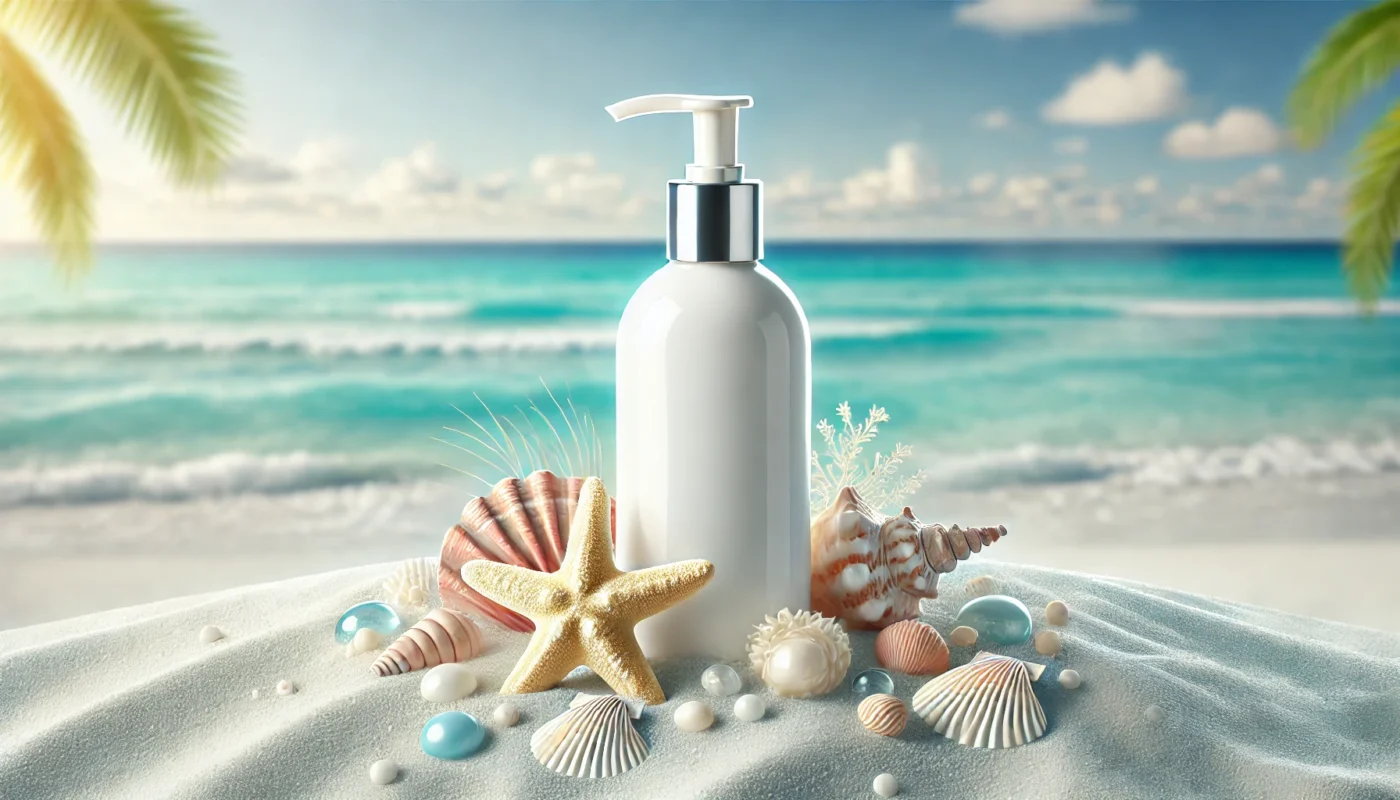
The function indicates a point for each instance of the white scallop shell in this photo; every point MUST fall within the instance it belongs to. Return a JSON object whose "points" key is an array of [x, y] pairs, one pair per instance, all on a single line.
{"points": [[800, 655], [411, 585], [594, 739], [986, 703]]}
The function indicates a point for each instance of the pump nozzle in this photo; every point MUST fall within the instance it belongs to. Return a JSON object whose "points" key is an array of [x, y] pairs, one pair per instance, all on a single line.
{"points": [[716, 130]]}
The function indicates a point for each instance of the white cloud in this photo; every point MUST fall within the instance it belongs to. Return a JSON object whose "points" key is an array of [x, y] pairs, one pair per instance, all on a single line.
{"points": [[796, 187], [321, 157], [995, 120], [1147, 185], [1320, 194], [982, 183], [257, 169], [1110, 94], [900, 184], [1236, 132], [418, 180], [1073, 146], [572, 185], [1028, 192], [1010, 17], [1072, 172]]}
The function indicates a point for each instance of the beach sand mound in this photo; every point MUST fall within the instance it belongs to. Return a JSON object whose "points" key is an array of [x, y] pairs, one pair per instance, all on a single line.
{"points": [[1258, 704]]}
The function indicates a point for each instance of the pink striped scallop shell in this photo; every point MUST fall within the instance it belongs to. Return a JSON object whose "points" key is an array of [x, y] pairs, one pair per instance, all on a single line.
{"points": [[443, 637], [883, 714], [913, 648]]}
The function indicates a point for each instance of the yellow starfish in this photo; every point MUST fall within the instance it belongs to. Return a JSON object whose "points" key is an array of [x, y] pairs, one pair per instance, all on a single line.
{"points": [[585, 612]]}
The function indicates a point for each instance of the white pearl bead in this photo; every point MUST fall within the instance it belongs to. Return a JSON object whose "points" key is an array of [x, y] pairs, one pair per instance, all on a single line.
{"points": [[1057, 613], [797, 665], [694, 717], [1047, 643], [1070, 679], [383, 772], [506, 715], [750, 708], [886, 785], [1154, 713], [210, 634], [447, 683]]}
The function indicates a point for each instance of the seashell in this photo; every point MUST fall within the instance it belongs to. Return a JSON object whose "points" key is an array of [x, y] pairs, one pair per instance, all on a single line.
{"points": [[1057, 613], [979, 586], [593, 739], [913, 648], [800, 655], [286, 687], [963, 636], [986, 703], [210, 634], [694, 717], [411, 584], [442, 637], [366, 639], [870, 570], [524, 522], [883, 714]]}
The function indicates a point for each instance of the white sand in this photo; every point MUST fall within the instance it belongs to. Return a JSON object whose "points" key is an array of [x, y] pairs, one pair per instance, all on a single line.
{"points": [[1259, 704]]}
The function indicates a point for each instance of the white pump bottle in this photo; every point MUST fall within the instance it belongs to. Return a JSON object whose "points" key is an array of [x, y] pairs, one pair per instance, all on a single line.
{"points": [[714, 404]]}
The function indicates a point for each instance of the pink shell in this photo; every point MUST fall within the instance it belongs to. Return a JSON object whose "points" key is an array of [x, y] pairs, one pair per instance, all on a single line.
{"points": [[444, 636], [870, 570], [883, 714], [523, 521], [913, 648]]}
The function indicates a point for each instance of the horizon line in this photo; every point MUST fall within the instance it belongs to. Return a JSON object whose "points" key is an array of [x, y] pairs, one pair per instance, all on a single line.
{"points": [[215, 242]]}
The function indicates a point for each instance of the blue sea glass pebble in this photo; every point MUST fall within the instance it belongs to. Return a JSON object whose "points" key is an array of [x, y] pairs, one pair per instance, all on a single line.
{"points": [[872, 681], [452, 735], [998, 619], [374, 615]]}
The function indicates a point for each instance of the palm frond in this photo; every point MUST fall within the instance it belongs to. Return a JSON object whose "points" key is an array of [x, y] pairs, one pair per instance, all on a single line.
{"points": [[1373, 210], [1358, 55], [158, 67], [42, 151]]}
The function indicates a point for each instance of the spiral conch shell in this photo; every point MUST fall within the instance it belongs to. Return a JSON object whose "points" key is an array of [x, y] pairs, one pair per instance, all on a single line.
{"points": [[870, 570], [443, 637], [523, 522]]}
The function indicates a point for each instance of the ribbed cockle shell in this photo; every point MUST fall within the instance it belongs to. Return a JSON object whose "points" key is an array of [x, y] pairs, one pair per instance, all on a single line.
{"points": [[913, 648], [443, 637], [870, 570], [883, 714], [524, 522]]}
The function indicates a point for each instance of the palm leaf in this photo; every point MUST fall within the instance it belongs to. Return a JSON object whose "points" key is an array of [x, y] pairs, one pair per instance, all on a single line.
{"points": [[1358, 55], [1373, 209], [155, 64], [42, 152]]}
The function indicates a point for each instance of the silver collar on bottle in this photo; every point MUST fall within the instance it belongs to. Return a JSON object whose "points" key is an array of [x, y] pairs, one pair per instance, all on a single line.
{"points": [[714, 221]]}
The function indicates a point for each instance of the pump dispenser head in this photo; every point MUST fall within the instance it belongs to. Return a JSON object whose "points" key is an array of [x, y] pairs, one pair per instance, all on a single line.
{"points": [[714, 215], [716, 121]]}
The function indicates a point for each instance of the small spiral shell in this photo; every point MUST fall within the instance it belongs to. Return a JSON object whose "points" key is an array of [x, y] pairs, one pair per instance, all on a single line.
{"points": [[443, 637], [913, 648], [883, 714]]}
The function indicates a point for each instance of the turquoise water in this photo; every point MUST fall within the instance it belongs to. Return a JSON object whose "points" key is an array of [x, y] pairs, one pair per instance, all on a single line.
{"points": [[175, 373]]}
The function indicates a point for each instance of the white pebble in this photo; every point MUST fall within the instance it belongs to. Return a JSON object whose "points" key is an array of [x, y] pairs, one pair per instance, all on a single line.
{"points": [[694, 717], [256, 693], [980, 586], [750, 708], [1070, 679], [210, 634], [447, 683], [963, 636], [506, 715], [285, 688], [1154, 713], [1047, 643], [366, 640], [1057, 613], [886, 785], [383, 772]]}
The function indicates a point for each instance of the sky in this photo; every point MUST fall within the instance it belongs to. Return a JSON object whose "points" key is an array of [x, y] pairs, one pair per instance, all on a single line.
{"points": [[999, 119]]}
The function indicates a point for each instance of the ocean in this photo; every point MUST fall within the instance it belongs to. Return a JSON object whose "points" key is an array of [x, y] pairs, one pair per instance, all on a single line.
{"points": [[188, 397]]}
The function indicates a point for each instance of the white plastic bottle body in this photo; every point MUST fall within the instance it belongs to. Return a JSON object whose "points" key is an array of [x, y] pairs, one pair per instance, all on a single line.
{"points": [[713, 442]]}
